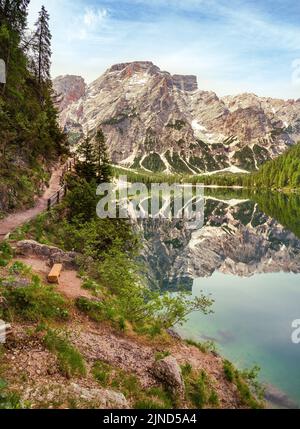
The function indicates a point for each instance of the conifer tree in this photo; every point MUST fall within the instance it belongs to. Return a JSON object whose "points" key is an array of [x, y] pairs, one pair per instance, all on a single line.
{"points": [[42, 48], [85, 167], [103, 168]]}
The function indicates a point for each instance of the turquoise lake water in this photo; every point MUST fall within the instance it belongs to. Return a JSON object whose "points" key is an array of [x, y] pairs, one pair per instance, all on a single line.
{"points": [[251, 324]]}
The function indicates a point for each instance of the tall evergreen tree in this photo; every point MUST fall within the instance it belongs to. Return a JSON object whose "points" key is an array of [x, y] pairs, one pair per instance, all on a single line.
{"points": [[85, 167], [42, 48], [103, 168]]}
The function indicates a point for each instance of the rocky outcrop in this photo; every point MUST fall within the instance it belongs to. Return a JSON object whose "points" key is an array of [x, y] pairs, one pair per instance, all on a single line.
{"points": [[53, 254], [161, 122], [168, 372], [69, 89], [185, 83]]}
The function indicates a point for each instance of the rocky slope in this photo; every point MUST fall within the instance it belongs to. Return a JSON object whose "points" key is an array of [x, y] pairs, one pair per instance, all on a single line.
{"points": [[159, 122]]}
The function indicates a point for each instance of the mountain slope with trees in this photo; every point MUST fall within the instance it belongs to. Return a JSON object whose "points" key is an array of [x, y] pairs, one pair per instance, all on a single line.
{"points": [[282, 172], [30, 139]]}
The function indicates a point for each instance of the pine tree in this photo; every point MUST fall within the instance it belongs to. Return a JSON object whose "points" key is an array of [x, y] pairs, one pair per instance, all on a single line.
{"points": [[14, 14], [85, 167], [42, 49], [103, 168]]}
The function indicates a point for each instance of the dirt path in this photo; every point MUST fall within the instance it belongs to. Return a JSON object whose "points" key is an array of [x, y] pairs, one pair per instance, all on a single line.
{"points": [[69, 282], [13, 221]]}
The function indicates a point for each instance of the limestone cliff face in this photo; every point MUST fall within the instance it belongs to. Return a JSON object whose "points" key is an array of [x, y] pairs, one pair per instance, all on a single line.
{"points": [[161, 122]]}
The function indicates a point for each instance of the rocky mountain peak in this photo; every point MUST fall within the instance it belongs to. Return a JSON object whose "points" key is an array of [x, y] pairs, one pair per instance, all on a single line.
{"points": [[156, 121]]}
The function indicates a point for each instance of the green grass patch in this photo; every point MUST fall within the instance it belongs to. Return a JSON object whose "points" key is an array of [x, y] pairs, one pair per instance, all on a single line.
{"points": [[69, 358]]}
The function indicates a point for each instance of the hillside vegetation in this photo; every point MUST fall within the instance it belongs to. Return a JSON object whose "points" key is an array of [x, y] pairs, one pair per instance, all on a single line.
{"points": [[30, 138]]}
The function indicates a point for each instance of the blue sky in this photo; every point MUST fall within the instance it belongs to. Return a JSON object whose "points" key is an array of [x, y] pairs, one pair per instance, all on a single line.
{"points": [[232, 46]]}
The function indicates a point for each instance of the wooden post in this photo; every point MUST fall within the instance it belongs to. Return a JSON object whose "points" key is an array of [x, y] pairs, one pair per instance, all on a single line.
{"points": [[57, 199], [49, 204]]}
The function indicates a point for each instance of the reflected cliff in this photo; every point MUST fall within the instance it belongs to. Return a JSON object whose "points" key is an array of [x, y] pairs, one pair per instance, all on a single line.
{"points": [[243, 234]]}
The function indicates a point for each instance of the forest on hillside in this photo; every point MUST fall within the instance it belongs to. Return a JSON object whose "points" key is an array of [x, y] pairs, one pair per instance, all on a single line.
{"points": [[30, 138]]}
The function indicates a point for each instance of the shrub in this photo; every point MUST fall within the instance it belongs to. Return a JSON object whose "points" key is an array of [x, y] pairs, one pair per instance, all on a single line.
{"points": [[6, 254], [69, 359], [35, 302], [199, 389], [20, 269], [229, 371], [250, 390]]}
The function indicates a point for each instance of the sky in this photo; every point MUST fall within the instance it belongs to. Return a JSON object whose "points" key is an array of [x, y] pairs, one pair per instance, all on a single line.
{"points": [[232, 46]]}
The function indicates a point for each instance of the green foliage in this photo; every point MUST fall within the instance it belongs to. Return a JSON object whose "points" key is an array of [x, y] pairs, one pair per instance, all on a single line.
{"points": [[161, 355], [109, 249], [18, 268], [102, 372], [282, 172], [6, 254], [9, 400], [103, 169], [69, 359], [117, 379], [153, 162], [29, 134], [245, 158], [204, 347], [200, 392], [229, 371], [33, 301], [250, 390], [177, 162]]}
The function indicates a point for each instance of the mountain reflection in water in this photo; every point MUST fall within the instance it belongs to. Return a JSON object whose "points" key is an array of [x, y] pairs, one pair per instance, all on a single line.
{"points": [[247, 255]]}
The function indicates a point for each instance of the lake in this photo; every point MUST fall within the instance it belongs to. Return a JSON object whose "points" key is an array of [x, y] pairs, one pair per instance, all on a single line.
{"points": [[247, 256]]}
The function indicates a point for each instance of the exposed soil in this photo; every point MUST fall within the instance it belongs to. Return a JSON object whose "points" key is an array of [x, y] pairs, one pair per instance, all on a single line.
{"points": [[14, 220], [69, 281]]}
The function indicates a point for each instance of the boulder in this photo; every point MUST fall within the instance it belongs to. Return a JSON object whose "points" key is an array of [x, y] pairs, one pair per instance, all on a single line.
{"points": [[103, 397], [53, 254], [168, 372]]}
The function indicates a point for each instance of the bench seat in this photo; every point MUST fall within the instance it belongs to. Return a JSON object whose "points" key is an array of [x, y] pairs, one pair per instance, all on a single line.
{"points": [[54, 274]]}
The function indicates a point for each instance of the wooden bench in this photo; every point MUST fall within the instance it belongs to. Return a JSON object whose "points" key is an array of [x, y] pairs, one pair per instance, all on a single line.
{"points": [[54, 274]]}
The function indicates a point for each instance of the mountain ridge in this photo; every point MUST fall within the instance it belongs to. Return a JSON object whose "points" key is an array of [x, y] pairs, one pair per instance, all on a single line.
{"points": [[156, 121]]}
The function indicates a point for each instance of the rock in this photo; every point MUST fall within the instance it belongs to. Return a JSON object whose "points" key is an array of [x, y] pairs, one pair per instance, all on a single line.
{"points": [[54, 254], [168, 372], [104, 397]]}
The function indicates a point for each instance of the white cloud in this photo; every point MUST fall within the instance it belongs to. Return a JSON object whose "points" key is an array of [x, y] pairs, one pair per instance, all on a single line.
{"points": [[93, 17]]}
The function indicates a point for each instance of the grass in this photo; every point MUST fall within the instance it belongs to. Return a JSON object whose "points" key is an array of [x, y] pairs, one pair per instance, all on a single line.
{"points": [[200, 391], [32, 301], [93, 287], [9, 400], [102, 372], [6, 254], [204, 347], [229, 371], [117, 379], [250, 391], [161, 355], [70, 360]]}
